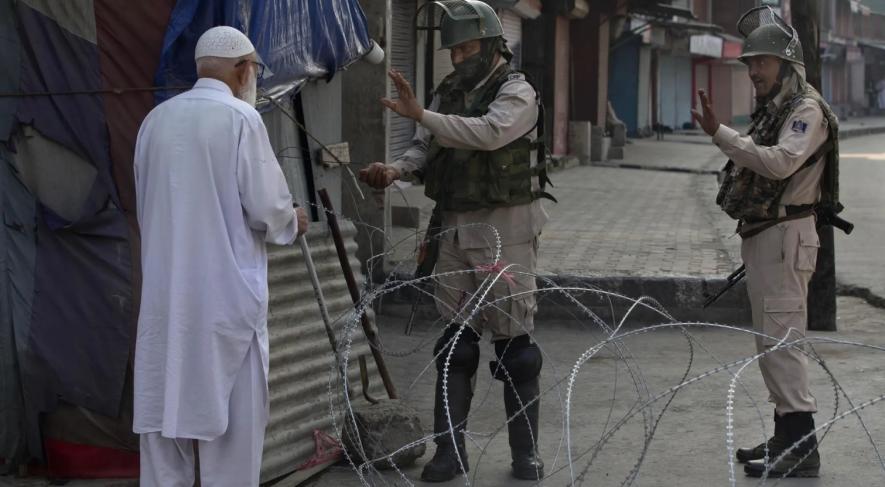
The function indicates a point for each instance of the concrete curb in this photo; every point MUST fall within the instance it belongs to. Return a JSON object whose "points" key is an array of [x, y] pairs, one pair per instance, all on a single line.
{"points": [[861, 131], [843, 134], [864, 293], [565, 296]]}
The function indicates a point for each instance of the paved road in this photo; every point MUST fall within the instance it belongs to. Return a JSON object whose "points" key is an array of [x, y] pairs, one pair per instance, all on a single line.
{"points": [[860, 257]]}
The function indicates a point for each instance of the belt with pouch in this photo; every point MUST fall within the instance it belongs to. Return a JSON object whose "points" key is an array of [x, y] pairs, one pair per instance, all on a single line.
{"points": [[791, 212]]}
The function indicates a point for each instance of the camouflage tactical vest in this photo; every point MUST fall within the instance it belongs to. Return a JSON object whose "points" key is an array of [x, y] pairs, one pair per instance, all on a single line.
{"points": [[466, 180], [750, 197]]}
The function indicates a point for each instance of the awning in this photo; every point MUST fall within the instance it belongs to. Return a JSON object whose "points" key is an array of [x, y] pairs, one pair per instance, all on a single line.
{"points": [[732, 46], [660, 10], [706, 45], [688, 26], [832, 52], [871, 45]]}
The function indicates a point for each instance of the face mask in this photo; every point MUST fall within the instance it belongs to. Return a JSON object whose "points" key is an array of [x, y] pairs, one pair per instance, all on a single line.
{"points": [[249, 93], [473, 69]]}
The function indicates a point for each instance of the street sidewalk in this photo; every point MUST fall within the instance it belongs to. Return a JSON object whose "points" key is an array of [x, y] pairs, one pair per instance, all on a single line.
{"points": [[849, 127], [646, 225]]}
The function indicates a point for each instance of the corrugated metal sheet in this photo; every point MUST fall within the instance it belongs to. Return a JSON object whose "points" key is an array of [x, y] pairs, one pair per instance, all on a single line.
{"points": [[301, 358]]}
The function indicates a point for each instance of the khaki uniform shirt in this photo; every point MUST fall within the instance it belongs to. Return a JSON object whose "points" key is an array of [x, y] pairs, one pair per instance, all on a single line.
{"points": [[805, 130], [513, 114]]}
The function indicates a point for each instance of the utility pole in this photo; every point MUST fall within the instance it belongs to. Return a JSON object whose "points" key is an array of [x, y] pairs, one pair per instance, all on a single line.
{"points": [[822, 290]]}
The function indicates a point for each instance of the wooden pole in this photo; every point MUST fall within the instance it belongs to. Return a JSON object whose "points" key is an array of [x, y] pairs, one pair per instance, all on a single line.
{"points": [[822, 290], [371, 336]]}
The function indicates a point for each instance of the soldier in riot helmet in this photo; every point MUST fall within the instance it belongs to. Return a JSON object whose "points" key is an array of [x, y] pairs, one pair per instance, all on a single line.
{"points": [[780, 180], [478, 151]]}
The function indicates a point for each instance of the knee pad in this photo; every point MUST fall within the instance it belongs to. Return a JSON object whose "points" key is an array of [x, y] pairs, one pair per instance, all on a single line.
{"points": [[465, 356], [518, 358]]}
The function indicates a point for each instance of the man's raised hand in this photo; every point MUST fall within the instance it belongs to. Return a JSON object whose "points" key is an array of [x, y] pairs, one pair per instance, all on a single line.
{"points": [[407, 104], [706, 118]]}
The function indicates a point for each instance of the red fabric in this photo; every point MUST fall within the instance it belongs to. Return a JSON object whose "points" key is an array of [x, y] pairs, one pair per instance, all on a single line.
{"points": [[130, 41], [73, 460], [497, 268], [328, 450]]}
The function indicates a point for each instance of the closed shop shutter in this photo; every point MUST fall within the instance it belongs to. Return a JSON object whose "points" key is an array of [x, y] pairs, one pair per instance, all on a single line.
{"points": [[512, 24], [402, 59], [442, 62]]}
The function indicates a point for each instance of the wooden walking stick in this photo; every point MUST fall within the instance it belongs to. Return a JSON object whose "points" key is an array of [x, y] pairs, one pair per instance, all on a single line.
{"points": [[371, 336], [327, 323]]}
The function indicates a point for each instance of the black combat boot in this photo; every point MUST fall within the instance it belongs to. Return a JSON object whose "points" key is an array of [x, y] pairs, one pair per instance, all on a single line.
{"points": [[523, 428], [776, 444], [445, 464], [802, 461]]}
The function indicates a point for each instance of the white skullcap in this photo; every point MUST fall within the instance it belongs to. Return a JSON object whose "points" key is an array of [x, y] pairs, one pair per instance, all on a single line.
{"points": [[223, 42]]}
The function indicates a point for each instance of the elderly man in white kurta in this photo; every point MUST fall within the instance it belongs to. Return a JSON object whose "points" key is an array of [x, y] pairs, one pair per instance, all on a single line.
{"points": [[210, 195]]}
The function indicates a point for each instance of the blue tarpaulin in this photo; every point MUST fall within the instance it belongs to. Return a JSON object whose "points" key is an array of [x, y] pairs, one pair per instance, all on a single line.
{"points": [[297, 39]]}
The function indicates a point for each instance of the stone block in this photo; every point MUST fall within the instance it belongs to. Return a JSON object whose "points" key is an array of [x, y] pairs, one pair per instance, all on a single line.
{"points": [[615, 153], [382, 429], [600, 149], [580, 138], [619, 134]]}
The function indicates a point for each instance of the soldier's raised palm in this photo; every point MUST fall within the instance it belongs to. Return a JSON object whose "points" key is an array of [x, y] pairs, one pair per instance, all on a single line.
{"points": [[707, 118]]}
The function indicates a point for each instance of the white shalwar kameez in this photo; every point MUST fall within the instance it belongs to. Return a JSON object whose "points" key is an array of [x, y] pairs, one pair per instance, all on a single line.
{"points": [[210, 194]]}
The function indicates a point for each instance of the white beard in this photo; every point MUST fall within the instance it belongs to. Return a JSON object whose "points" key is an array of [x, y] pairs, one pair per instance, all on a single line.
{"points": [[249, 93]]}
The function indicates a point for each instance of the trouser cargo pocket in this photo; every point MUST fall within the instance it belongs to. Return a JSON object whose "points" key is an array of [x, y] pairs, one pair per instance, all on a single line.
{"points": [[781, 315], [806, 254]]}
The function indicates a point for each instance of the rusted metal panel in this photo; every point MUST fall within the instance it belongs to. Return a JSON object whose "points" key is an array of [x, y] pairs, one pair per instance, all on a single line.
{"points": [[301, 358]]}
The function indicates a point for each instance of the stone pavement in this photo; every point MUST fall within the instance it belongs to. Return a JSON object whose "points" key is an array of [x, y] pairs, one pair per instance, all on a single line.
{"points": [[652, 222], [645, 225], [649, 216], [851, 127]]}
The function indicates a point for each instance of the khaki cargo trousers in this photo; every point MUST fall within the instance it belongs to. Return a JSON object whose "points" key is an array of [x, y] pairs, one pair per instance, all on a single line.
{"points": [[780, 262], [508, 308]]}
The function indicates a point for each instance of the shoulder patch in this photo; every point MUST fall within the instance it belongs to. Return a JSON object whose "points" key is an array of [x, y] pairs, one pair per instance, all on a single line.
{"points": [[799, 126], [515, 76]]}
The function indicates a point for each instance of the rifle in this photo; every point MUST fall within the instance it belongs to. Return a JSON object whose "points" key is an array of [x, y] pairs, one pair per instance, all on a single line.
{"points": [[733, 279], [427, 257], [824, 218], [830, 218]]}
